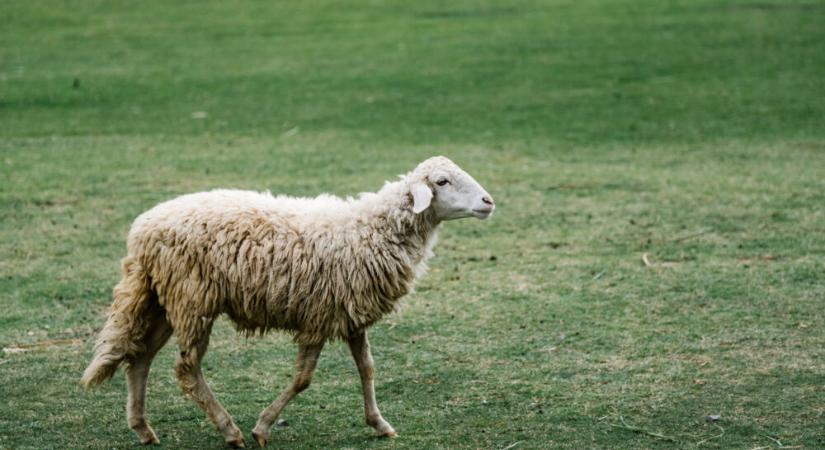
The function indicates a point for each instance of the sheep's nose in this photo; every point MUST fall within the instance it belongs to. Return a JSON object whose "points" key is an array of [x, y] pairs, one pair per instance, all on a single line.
{"points": [[488, 200]]}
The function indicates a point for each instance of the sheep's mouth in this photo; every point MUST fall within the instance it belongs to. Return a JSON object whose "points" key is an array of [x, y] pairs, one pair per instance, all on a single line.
{"points": [[483, 213]]}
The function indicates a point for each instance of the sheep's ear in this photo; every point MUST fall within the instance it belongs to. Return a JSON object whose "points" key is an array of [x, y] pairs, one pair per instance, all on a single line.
{"points": [[422, 195]]}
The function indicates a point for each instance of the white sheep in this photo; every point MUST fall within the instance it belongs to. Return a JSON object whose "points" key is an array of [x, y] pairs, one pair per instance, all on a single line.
{"points": [[320, 268]]}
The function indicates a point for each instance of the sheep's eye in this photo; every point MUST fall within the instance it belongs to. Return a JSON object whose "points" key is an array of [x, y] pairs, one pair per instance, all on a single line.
{"points": [[442, 182]]}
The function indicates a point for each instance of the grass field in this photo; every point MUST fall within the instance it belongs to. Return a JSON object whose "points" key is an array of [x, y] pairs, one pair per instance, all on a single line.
{"points": [[691, 132]]}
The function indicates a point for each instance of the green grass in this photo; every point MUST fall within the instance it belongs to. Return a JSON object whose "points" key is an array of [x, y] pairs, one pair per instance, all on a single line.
{"points": [[692, 131]]}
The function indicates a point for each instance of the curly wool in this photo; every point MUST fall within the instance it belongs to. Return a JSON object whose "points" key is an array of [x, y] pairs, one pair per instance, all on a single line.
{"points": [[324, 274], [320, 268]]}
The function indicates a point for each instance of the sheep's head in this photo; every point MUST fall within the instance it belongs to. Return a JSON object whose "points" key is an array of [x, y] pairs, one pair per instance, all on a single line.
{"points": [[450, 192]]}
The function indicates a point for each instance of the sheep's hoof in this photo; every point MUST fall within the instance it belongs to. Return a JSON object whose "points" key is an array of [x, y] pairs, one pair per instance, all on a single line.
{"points": [[236, 443], [146, 434], [387, 434], [260, 439]]}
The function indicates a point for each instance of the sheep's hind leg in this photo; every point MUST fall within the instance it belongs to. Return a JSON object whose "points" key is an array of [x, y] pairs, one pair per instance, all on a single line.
{"points": [[360, 348], [137, 372], [188, 369], [304, 368]]}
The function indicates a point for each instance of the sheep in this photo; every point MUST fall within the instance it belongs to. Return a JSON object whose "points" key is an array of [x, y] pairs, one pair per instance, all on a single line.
{"points": [[322, 269]]}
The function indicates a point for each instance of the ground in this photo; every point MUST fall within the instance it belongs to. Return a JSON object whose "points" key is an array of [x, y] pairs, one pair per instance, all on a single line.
{"points": [[657, 255]]}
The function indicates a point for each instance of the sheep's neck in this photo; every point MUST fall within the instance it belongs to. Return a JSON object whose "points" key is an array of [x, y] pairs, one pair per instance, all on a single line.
{"points": [[409, 231]]}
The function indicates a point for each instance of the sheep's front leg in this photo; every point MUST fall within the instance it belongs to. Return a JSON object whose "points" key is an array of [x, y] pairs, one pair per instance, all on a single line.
{"points": [[360, 348], [304, 368]]}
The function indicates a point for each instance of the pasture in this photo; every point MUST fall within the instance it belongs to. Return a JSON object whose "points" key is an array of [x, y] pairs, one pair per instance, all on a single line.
{"points": [[657, 255]]}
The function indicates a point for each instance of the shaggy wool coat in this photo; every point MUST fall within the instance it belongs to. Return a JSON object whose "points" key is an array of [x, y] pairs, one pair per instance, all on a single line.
{"points": [[327, 271]]}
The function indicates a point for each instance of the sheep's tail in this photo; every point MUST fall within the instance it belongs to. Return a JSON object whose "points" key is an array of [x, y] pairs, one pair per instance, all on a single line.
{"points": [[126, 326]]}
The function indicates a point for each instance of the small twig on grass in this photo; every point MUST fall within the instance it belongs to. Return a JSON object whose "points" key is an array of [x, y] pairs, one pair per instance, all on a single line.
{"points": [[646, 259], [712, 437], [693, 235], [779, 443], [648, 263], [512, 445], [635, 429]]}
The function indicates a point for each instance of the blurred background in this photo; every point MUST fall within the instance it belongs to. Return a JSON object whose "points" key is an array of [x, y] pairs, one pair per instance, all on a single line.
{"points": [[657, 256]]}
